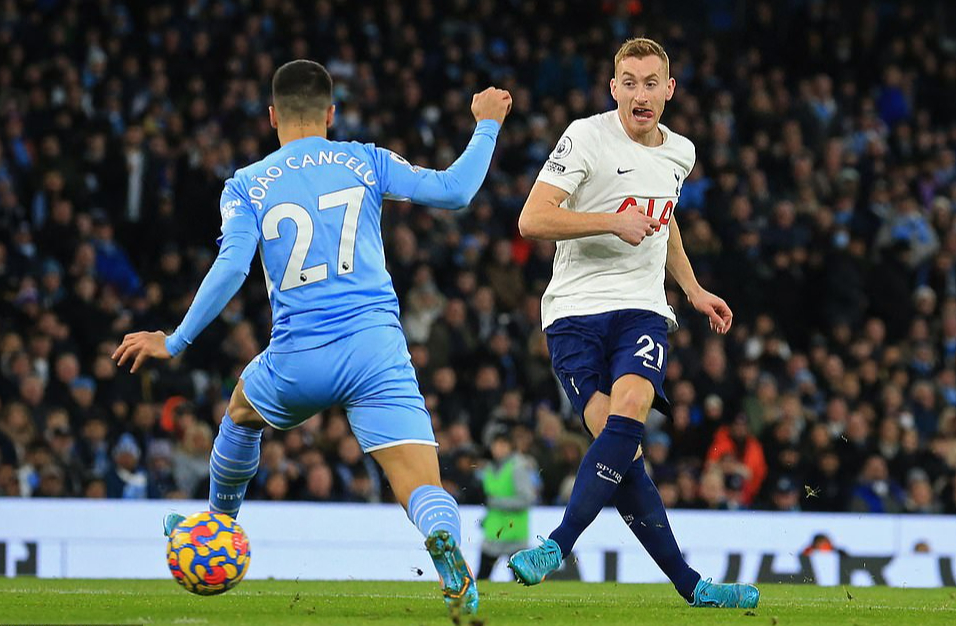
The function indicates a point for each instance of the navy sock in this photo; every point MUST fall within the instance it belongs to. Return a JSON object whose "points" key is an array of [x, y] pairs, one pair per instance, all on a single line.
{"points": [[233, 463], [639, 503], [601, 471]]}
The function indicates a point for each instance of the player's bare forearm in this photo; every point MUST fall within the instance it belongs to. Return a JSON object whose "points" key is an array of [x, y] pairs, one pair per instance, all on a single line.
{"points": [[544, 220], [679, 267], [543, 217]]}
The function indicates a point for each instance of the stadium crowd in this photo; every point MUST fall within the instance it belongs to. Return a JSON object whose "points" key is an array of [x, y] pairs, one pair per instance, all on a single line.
{"points": [[821, 208]]}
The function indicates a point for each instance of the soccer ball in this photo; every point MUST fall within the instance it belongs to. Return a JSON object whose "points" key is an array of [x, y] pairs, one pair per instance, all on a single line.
{"points": [[208, 553]]}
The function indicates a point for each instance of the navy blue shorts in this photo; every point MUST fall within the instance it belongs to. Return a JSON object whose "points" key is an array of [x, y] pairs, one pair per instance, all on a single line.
{"points": [[590, 352]]}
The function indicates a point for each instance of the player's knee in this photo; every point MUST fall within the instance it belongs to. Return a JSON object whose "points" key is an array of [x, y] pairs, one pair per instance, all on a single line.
{"points": [[632, 398], [242, 414], [245, 416]]}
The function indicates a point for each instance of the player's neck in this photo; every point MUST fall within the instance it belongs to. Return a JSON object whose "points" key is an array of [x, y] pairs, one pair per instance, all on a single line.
{"points": [[292, 133]]}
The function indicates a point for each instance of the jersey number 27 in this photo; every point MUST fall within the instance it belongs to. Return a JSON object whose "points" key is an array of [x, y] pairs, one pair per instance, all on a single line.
{"points": [[295, 274]]}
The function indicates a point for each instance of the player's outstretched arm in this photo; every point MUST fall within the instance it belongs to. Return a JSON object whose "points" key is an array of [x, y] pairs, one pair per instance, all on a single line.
{"points": [[454, 187], [218, 287], [678, 266], [543, 217]]}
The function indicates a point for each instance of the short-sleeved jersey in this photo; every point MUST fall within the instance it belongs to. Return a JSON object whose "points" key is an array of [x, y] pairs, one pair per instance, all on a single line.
{"points": [[605, 171], [315, 206]]}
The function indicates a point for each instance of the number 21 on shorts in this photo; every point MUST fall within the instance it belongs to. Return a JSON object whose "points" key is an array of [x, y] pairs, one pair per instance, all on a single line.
{"points": [[646, 351]]}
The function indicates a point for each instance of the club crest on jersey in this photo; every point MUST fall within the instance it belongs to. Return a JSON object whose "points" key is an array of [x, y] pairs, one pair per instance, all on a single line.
{"points": [[563, 148]]}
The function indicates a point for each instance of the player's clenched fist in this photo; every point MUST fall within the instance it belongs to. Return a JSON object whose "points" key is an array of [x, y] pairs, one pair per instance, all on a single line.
{"points": [[491, 104], [633, 225]]}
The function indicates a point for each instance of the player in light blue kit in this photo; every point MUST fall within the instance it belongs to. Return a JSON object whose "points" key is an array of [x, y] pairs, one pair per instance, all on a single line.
{"points": [[313, 211]]}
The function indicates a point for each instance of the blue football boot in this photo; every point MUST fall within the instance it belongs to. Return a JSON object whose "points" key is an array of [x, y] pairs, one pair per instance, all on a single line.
{"points": [[533, 565], [458, 584], [725, 596], [170, 521]]}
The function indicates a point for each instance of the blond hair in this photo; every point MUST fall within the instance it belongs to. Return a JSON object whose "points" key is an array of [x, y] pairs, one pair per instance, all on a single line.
{"points": [[641, 47]]}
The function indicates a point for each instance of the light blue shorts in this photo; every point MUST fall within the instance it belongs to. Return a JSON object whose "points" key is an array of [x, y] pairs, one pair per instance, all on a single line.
{"points": [[369, 373]]}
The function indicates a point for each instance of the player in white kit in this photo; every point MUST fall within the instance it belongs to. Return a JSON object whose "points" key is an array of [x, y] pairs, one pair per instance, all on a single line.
{"points": [[607, 195]]}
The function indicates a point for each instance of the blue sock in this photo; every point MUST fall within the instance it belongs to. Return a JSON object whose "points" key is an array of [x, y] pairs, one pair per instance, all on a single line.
{"points": [[639, 503], [601, 471], [233, 463], [432, 508]]}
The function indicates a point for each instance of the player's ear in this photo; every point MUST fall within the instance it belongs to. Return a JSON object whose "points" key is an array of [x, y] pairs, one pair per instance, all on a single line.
{"points": [[614, 89], [330, 117], [273, 120], [671, 86]]}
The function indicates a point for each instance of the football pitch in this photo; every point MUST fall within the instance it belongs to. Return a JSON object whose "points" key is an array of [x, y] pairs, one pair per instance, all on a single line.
{"points": [[46, 601]]}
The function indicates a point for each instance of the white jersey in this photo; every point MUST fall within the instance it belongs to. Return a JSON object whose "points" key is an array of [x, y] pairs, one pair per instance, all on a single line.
{"points": [[605, 171]]}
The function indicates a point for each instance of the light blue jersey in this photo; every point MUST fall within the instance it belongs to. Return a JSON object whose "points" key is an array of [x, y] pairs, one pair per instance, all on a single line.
{"points": [[316, 207], [313, 211]]}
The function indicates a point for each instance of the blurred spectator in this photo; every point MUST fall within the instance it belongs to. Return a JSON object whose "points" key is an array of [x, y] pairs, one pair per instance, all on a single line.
{"points": [[510, 482], [741, 453], [786, 495], [190, 459], [126, 479], [875, 491]]}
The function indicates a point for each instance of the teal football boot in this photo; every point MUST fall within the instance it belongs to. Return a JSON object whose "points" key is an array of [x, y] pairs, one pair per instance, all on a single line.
{"points": [[725, 596], [170, 521], [458, 583], [533, 565]]}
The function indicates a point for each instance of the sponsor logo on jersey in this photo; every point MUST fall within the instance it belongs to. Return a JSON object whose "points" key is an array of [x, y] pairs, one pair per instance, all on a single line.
{"points": [[229, 209], [658, 208], [620, 171], [563, 148], [554, 168]]}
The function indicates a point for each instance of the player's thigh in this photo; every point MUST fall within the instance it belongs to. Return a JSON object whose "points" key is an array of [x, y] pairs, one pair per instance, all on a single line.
{"points": [[408, 466], [577, 348], [287, 388], [638, 362], [382, 400]]}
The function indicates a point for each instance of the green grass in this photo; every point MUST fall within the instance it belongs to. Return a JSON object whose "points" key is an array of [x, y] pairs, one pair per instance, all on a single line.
{"points": [[33, 601]]}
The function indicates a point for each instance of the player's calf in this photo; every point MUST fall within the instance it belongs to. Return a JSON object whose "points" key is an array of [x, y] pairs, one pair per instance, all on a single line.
{"points": [[233, 462]]}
